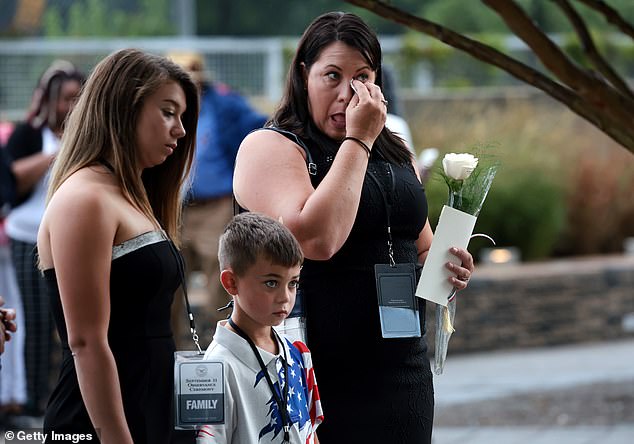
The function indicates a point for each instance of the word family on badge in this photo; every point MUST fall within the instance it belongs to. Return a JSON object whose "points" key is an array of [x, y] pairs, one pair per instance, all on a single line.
{"points": [[199, 391]]}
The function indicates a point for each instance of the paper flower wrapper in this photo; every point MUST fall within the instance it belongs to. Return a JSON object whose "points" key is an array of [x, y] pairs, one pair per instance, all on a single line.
{"points": [[467, 192]]}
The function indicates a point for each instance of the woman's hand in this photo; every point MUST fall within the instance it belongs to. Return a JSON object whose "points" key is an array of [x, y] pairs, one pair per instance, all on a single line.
{"points": [[366, 113], [462, 272]]}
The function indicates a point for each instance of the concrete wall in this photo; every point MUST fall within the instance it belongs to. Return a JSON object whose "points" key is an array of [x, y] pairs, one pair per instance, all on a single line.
{"points": [[541, 304]]}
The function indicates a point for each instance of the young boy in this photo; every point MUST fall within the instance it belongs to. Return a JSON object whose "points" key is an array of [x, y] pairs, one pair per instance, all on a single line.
{"points": [[270, 390]]}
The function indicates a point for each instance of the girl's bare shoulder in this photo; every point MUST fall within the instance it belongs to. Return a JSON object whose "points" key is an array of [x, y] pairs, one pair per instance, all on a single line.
{"points": [[89, 188]]}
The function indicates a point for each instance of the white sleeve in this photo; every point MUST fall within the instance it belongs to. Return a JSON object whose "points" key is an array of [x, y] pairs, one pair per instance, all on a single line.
{"points": [[220, 433]]}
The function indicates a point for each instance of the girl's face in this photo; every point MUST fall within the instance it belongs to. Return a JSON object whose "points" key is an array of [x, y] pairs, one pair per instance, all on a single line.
{"points": [[328, 86], [160, 125], [68, 94]]}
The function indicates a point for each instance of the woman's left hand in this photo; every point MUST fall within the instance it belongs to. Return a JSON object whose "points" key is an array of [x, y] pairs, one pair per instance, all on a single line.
{"points": [[462, 272]]}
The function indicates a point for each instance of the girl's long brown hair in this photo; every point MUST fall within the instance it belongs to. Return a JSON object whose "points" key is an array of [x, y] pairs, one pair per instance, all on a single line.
{"points": [[102, 126]]}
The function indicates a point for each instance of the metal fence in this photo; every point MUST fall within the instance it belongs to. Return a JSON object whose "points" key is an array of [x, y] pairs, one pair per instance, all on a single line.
{"points": [[256, 67]]}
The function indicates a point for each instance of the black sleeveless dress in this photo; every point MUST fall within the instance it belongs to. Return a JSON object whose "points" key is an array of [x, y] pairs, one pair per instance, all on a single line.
{"points": [[143, 279], [373, 390]]}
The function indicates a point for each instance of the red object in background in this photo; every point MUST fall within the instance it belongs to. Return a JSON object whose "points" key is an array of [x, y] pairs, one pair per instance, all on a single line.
{"points": [[6, 128]]}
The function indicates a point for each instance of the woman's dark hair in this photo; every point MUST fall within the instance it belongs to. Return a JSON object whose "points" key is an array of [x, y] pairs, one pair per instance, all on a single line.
{"points": [[292, 113]]}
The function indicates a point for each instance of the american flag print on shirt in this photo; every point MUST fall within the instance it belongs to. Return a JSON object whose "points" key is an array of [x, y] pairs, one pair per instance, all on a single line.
{"points": [[303, 393], [303, 400]]}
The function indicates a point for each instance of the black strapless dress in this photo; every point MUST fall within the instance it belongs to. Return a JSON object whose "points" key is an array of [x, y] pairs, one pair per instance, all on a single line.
{"points": [[143, 279]]}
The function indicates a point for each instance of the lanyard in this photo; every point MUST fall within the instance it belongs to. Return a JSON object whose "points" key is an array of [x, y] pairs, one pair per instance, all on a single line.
{"points": [[190, 315], [388, 207], [281, 403]]}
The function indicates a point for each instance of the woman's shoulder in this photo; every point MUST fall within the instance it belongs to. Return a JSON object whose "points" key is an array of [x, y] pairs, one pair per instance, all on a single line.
{"points": [[268, 143], [268, 135]]}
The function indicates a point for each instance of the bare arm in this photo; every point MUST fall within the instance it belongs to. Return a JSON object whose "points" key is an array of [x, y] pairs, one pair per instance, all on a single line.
{"points": [[28, 170], [271, 177], [81, 234]]}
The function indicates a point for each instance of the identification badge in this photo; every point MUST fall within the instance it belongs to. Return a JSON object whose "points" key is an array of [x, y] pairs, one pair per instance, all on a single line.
{"points": [[199, 391], [398, 307]]}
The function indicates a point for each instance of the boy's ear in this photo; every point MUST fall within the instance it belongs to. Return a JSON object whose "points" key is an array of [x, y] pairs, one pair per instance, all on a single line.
{"points": [[228, 280]]}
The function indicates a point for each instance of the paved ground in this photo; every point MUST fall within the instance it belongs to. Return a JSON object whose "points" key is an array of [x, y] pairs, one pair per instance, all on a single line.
{"points": [[578, 394], [562, 395]]}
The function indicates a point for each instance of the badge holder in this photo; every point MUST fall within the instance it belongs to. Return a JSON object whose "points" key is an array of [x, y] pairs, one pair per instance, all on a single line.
{"points": [[199, 384], [398, 308], [199, 391], [395, 287]]}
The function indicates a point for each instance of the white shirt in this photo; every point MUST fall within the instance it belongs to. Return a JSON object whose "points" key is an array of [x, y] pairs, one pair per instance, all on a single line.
{"points": [[23, 222], [251, 413]]}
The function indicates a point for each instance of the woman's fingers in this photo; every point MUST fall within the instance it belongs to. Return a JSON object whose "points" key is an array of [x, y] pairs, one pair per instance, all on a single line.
{"points": [[462, 272], [366, 114]]}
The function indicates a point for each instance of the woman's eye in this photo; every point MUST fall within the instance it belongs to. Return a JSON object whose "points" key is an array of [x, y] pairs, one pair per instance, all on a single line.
{"points": [[362, 78], [333, 75], [168, 113], [271, 284]]}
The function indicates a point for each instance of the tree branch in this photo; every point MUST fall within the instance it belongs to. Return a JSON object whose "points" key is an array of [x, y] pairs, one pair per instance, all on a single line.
{"points": [[611, 15], [591, 50], [596, 92], [588, 110]]}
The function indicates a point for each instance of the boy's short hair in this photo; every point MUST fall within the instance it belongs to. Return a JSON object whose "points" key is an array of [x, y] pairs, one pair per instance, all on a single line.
{"points": [[249, 236]]}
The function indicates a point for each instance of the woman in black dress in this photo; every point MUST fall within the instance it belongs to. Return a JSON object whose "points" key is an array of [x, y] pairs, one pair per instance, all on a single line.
{"points": [[105, 246], [337, 178]]}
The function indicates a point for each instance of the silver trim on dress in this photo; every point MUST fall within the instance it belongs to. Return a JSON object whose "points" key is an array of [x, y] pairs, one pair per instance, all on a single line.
{"points": [[140, 241]]}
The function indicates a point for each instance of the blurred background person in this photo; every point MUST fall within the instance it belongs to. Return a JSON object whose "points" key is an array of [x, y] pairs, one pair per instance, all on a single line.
{"points": [[399, 126], [12, 380], [225, 119], [395, 121], [32, 147]]}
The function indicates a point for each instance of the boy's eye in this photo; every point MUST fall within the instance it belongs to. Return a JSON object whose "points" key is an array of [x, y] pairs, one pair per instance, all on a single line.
{"points": [[271, 284], [293, 284]]}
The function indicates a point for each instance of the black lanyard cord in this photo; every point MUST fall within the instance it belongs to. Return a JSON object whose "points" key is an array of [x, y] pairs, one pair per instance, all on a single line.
{"points": [[281, 403], [181, 271], [388, 207]]}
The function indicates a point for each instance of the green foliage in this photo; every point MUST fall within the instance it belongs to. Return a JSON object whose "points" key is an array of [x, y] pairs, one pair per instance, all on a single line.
{"points": [[525, 208], [462, 16], [93, 18]]}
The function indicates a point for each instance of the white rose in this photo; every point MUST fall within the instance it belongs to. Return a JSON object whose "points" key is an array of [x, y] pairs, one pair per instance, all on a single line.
{"points": [[459, 166]]}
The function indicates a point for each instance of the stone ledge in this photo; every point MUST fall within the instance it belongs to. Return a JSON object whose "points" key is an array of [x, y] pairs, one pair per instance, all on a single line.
{"points": [[540, 304]]}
